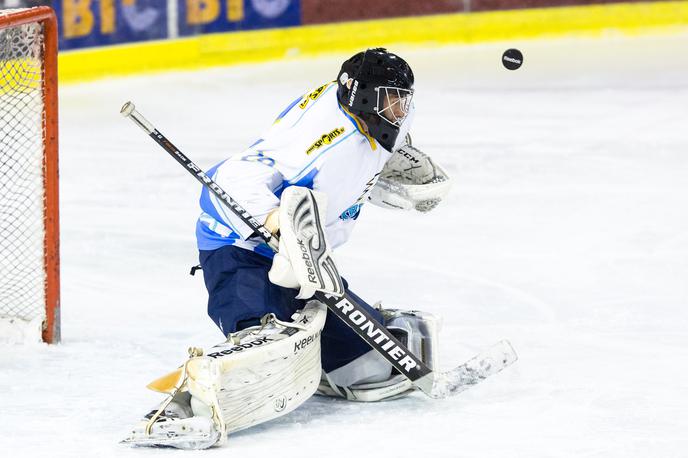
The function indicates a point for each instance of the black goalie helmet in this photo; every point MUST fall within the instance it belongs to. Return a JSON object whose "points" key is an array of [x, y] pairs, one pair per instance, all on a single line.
{"points": [[377, 86]]}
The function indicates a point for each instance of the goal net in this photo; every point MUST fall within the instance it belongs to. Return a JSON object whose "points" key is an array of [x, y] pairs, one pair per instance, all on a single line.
{"points": [[29, 261]]}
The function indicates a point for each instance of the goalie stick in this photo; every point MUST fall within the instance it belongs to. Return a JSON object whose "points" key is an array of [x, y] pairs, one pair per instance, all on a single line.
{"points": [[436, 385]]}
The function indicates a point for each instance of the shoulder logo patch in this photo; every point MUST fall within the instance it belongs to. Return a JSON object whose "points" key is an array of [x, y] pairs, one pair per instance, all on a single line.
{"points": [[325, 139], [313, 95]]}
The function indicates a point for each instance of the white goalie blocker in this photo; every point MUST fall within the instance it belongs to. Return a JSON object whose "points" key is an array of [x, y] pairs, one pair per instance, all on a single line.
{"points": [[410, 180], [304, 259], [258, 374]]}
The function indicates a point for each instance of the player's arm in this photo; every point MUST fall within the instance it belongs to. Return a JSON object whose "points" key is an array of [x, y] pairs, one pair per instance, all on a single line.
{"points": [[250, 179]]}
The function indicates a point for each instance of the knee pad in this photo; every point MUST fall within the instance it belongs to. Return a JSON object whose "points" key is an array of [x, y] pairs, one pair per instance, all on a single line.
{"points": [[370, 377]]}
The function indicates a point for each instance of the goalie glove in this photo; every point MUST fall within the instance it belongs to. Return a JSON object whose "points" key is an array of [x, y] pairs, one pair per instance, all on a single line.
{"points": [[304, 259], [410, 180]]}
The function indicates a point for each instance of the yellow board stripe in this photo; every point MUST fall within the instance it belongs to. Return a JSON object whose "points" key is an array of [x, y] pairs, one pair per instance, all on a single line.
{"points": [[262, 45]]}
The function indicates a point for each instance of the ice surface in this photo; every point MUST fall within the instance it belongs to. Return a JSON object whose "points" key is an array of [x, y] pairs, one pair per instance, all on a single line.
{"points": [[566, 232]]}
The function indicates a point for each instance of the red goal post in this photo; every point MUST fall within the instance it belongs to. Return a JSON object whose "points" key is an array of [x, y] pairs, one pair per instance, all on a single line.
{"points": [[29, 215]]}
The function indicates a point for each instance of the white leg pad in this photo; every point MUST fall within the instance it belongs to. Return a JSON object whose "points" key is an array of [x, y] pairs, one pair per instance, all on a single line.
{"points": [[370, 377], [368, 368], [262, 374], [258, 374]]}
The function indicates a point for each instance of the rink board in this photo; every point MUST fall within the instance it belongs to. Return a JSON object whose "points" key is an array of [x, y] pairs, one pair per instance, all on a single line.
{"points": [[262, 45]]}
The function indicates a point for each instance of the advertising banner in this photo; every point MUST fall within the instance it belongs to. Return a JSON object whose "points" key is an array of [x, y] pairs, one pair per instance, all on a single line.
{"points": [[207, 16], [105, 22], [90, 23], [85, 23]]}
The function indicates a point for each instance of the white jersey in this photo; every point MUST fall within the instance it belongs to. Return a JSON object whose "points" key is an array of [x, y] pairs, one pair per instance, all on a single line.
{"points": [[313, 143]]}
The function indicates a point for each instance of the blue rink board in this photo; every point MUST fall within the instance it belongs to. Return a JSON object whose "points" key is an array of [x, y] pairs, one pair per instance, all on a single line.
{"points": [[85, 24]]}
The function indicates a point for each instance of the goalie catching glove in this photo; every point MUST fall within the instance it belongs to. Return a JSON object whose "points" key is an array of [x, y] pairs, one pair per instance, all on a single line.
{"points": [[410, 180], [304, 259]]}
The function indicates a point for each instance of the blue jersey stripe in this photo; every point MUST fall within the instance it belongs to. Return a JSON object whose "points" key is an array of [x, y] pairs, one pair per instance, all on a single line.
{"points": [[206, 204], [220, 206], [286, 110], [210, 240], [255, 143]]}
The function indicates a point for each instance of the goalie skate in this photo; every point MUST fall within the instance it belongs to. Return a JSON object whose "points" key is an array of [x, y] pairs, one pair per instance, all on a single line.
{"points": [[168, 430]]}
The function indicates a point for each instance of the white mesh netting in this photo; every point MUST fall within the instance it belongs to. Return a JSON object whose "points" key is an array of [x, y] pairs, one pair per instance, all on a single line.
{"points": [[22, 272]]}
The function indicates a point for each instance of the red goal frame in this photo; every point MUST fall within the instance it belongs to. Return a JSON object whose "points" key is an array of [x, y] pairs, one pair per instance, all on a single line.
{"points": [[51, 242]]}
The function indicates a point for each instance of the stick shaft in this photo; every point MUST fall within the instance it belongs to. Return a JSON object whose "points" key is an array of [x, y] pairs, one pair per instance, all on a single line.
{"points": [[130, 111]]}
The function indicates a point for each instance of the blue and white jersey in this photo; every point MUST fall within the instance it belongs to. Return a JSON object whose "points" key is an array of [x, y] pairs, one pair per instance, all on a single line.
{"points": [[313, 143]]}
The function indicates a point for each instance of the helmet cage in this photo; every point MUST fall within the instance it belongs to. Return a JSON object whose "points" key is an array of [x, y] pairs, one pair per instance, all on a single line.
{"points": [[393, 104]]}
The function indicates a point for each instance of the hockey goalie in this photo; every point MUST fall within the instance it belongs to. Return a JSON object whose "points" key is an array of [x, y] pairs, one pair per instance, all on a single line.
{"points": [[306, 180]]}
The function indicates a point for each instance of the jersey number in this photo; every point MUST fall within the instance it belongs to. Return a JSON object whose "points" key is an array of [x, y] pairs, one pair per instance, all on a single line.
{"points": [[259, 157]]}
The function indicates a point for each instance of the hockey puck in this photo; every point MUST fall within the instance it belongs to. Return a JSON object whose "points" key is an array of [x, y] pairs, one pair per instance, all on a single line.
{"points": [[512, 59]]}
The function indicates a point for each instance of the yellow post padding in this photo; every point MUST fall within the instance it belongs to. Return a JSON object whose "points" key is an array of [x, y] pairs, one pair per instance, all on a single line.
{"points": [[262, 45]]}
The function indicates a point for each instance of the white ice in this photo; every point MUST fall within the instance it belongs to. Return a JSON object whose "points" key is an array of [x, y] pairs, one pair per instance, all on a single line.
{"points": [[566, 232]]}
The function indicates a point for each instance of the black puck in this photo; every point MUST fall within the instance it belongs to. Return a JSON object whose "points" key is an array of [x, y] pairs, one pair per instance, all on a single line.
{"points": [[512, 59]]}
